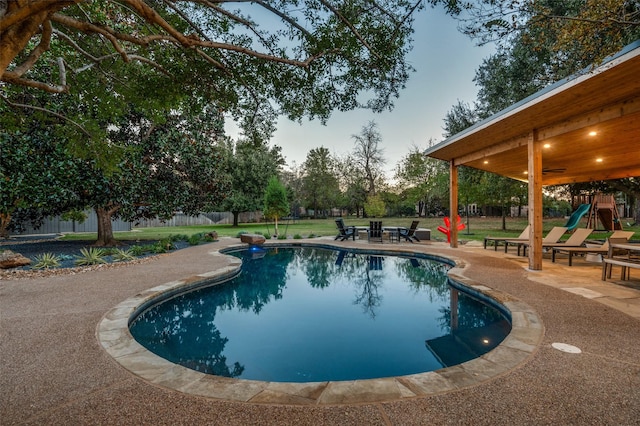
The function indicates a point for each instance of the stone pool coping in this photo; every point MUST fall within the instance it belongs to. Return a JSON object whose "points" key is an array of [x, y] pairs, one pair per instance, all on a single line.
{"points": [[518, 347]]}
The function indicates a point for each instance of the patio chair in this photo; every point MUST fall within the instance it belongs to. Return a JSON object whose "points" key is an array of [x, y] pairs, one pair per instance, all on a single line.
{"points": [[576, 239], [408, 234], [524, 235], [625, 261], [375, 231], [552, 237], [601, 250], [344, 232]]}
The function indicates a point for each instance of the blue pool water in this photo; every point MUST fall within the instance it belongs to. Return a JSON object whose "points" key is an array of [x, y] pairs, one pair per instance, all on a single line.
{"points": [[313, 314]]}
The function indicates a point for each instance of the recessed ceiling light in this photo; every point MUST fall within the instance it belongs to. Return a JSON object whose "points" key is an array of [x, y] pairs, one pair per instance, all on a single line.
{"points": [[486, 161], [547, 145], [598, 160], [593, 133], [526, 172]]}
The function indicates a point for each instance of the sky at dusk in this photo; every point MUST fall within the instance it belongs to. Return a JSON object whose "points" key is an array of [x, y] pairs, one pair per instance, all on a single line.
{"points": [[445, 61]]}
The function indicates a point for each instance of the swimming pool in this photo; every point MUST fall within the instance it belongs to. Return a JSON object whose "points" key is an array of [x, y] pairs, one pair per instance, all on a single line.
{"points": [[316, 314]]}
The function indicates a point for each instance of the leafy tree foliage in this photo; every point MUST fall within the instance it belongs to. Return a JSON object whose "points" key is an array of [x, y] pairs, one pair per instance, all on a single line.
{"points": [[591, 29], [374, 206], [320, 183], [425, 180], [36, 178], [275, 201], [251, 60], [169, 167], [352, 184], [248, 166]]}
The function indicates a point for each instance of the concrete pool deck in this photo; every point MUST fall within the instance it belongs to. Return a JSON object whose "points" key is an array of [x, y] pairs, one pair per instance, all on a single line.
{"points": [[54, 370]]}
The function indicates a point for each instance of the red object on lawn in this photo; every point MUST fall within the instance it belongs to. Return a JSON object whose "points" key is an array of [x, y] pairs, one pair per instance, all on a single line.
{"points": [[446, 229]]}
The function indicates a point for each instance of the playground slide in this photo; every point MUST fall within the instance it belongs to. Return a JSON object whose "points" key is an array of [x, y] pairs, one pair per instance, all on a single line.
{"points": [[575, 217]]}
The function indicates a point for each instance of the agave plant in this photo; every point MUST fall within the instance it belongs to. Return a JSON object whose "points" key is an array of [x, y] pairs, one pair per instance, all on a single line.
{"points": [[91, 256], [46, 261], [123, 255]]}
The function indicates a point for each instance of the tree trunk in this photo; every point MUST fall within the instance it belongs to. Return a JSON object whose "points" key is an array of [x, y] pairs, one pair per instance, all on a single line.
{"points": [[504, 218], [235, 218], [105, 228], [276, 226], [5, 219]]}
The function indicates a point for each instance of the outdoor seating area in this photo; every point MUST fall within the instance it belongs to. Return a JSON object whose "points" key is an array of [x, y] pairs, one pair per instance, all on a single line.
{"points": [[615, 251], [378, 233], [589, 249]]}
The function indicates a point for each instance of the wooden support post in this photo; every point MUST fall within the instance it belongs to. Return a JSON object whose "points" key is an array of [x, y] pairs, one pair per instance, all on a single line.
{"points": [[535, 201], [453, 203]]}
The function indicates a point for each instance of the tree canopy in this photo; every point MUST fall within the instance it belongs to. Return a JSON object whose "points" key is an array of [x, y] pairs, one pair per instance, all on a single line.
{"points": [[590, 29], [252, 60]]}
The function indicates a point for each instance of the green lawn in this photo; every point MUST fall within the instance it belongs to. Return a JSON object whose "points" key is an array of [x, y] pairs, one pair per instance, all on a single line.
{"points": [[478, 228]]}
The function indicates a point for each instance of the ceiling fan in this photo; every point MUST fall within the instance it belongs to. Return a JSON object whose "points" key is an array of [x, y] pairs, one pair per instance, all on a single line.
{"points": [[558, 170]]}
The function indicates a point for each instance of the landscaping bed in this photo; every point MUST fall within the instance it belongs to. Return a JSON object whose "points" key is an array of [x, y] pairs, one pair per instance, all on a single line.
{"points": [[73, 256]]}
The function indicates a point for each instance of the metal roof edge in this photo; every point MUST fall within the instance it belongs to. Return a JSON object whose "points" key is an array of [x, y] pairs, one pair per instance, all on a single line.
{"points": [[629, 51]]}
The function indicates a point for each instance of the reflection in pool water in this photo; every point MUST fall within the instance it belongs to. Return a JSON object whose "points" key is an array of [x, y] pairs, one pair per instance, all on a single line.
{"points": [[315, 314]]}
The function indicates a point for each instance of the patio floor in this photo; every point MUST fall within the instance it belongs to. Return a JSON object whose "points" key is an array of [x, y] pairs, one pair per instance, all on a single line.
{"points": [[54, 370]]}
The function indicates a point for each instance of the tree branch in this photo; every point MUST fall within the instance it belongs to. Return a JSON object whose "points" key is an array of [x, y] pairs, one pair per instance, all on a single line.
{"points": [[11, 77], [593, 21], [35, 54], [351, 27], [23, 13], [48, 111]]}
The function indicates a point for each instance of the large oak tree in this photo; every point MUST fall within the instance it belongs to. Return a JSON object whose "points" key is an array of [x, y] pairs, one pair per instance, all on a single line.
{"points": [[253, 60]]}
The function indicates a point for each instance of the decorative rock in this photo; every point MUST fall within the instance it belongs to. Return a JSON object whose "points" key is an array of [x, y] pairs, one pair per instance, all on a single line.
{"points": [[213, 235], [253, 239], [9, 259]]}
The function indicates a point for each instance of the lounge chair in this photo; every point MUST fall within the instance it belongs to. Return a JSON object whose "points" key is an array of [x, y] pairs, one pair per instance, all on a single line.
{"points": [[602, 250], [409, 234], [522, 237], [344, 232], [375, 231], [552, 237], [575, 240]]}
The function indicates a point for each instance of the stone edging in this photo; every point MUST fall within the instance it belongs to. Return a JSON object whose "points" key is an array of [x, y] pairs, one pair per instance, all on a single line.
{"points": [[114, 336]]}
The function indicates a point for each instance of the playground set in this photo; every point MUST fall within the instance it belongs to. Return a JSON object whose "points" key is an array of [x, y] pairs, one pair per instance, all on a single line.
{"points": [[598, 206]]}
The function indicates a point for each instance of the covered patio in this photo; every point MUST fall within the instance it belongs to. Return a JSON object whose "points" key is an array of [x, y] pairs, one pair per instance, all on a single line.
{"points": [[581, 129]]}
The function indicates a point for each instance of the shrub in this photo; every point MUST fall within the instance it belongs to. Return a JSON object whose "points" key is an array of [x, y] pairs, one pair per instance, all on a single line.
{"points": [[137, 250], [312, 235], [179, 237], [123, 255], [46, 261], [158, 248], [297, 237], [195, 239], [240, 233], [91, 256], [282, 237], [166, 243]]}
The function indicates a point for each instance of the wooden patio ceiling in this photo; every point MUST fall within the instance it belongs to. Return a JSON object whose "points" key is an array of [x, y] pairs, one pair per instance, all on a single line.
{"points": [[588, 125]]}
